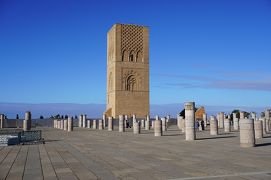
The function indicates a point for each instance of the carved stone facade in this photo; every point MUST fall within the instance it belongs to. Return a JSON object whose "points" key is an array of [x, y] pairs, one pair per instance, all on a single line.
{"points": [[127, 70]]}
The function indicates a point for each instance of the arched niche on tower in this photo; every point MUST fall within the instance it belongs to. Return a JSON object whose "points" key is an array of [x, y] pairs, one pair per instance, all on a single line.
{"points": [[124, 55], [139, 57]]}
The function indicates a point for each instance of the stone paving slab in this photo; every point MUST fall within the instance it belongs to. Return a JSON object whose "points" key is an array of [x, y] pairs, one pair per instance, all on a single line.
{"points": [[94, 154]]}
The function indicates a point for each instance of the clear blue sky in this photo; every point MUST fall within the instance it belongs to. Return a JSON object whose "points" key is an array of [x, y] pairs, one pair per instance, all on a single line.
{"points": [[214, 52]]}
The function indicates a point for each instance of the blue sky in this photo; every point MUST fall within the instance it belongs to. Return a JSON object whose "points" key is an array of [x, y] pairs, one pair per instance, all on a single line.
{"points": [[214, 52]]}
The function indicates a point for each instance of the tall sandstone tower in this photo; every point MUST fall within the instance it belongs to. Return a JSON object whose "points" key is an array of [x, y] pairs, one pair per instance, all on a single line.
{"points": [[127, 70]]}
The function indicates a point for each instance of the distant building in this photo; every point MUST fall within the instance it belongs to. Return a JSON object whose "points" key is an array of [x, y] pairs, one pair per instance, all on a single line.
{"points": [[198, 114]]}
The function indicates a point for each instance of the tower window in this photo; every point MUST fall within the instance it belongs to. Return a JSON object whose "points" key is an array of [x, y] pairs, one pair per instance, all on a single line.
{"points": [[131, 57]]}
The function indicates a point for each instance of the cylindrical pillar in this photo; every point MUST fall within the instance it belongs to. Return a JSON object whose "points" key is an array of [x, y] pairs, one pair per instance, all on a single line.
{"points": [[264, 124], [152, 124], [70, 124], [94, 124], [190, 121], [213, 126], [253, 115], [121, 124], [227, 126], [65, 123], [221, 120], [62, 124], [204, 118], [27, 121], [235, 123], [164, 126], [179, 123], [101, 124], [147, 123], [157, 127], [242, 115], [134, 118], [247, 134], [136, 128], [104, 121], [59, 124], [2, 118], [88, 123], [80, 121], [142, 125], [55, 123], [84, 121], [258, 125], [110, 123], [267, 120]]}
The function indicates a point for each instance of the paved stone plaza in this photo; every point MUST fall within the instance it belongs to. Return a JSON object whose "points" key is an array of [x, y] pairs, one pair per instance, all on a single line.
{"points": [[100, 154]]}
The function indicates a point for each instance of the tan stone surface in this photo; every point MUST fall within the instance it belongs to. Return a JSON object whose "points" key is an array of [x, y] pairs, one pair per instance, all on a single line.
{"points": [[127, 70]]}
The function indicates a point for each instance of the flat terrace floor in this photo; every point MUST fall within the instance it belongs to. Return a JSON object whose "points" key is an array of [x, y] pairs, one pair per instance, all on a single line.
{"points": [[95, 154]]}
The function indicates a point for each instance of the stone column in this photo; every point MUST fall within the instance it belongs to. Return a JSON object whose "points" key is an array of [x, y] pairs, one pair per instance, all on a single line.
{"points": [[253, 116], [65, 123], [94, 124], [152, 124], [142, 124], [236, 124], [221, 120], [258, 129], [204, 118], [84, 121], [164, 126], [27, 121], [121, 124], [158, 127], [242, 115], [88, 123], [136, 128], [179, 121], [213, 126], [104, 121], [190, 121], [227, 125], [217, 118], [168, 118], [2, 118], [58, 124], [80, 120], [62, 124], [101, 127], [267, 119], [110, 123], [147, 124], [234, 115], [134, 119], [55, 123], [264, 124], [247, 134], [70, 124]]}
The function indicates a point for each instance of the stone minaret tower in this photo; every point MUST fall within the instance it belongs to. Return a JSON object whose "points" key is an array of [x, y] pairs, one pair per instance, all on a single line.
{"points": [[127, 71]]}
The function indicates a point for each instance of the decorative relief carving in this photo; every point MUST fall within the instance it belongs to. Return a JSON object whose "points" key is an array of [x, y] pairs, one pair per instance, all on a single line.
{"points": [[132, 43], [131, 80]]}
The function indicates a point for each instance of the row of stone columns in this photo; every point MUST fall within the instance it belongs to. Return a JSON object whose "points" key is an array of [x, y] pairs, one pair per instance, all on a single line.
{"points": [[137, 125], [64, 124]]}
